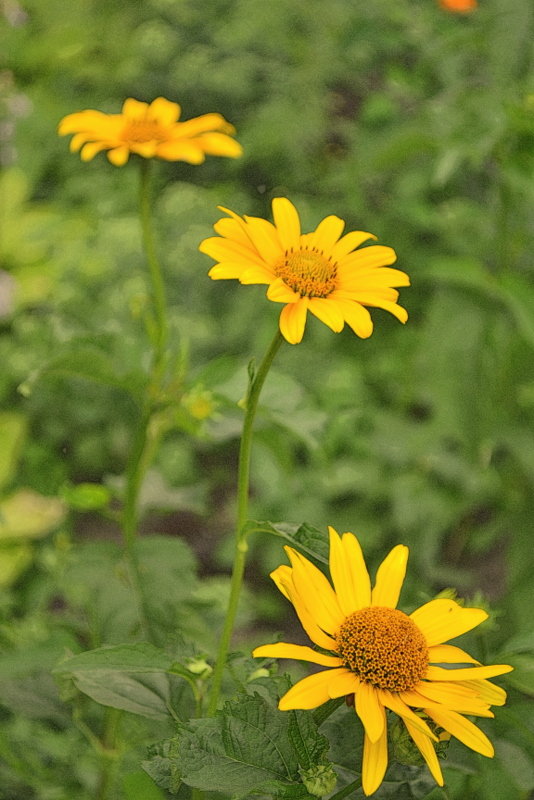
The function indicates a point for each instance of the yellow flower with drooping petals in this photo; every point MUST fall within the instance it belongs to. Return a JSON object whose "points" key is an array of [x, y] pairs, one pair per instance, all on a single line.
{"points": [[322, 272], [383, 658], [150, 130]]}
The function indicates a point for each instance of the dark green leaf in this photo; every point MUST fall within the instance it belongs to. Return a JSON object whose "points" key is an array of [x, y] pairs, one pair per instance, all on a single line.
{"points": [[308, 540]]}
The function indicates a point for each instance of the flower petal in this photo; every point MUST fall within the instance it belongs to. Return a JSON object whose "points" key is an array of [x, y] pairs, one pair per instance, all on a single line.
{"points": [[426, 748], [316, 592], [327, 233], [163, 111], [346, 683], [356, 316], [390, 577], [327, 311], [466, 673], [284, 580], [462, 729], [377, 255], [361, 582], [265, 239], [449, 654], [134, 109], [487, 691], [375, 762], [293, 321], [311, 691], [219, 144], [298, 652], [370, 710], [340, 571], [442, 619], [119, 156], [392, 701], [287, 221], [280, 292], [447, 694], [348, 243]]}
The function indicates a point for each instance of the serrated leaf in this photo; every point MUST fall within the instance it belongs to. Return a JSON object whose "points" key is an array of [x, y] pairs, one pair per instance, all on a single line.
{"points": [[138, 786], [308, 540], [248, 747], [29, 515], [137, 678]]}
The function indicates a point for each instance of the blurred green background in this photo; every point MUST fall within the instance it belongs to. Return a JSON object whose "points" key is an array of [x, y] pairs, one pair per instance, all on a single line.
{"points": [[405, 120]]}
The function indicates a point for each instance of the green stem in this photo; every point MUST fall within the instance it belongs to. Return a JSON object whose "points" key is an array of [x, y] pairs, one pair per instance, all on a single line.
{"points": [[109, 754], [351, 787], [147, 434], [157, 285], [243, 477]]}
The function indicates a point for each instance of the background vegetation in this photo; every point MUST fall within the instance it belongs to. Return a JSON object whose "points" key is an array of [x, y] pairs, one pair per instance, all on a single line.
{"points": [[399, 117]]}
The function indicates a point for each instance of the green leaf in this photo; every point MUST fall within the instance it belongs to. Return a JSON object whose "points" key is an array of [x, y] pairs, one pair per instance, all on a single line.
{"points": [[163, 765], [138, 786], [86, 496], [305, 538], [248, 747], [522, 677], [14, 560], [13, 428], [133, 677], [29, 515]]}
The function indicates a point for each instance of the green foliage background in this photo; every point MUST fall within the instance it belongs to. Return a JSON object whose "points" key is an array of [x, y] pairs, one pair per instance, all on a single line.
{"points": [[412, 123]]}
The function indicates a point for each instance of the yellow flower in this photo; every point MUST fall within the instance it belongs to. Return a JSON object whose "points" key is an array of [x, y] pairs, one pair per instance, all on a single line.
{"points": [[383, 658], [318, 272], [150, 131]]}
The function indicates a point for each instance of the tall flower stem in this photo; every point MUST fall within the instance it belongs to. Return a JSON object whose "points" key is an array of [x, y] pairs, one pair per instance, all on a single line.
{"points": [[243, 478], [352, 787], [147, 432]]}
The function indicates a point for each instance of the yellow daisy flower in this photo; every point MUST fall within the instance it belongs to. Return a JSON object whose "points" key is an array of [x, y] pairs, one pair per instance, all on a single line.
{"points": [[383, 658], [150, 131], [318, 272]]}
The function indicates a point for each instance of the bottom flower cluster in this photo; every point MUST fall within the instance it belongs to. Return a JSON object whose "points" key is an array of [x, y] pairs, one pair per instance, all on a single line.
{"points": [[383, 659]]}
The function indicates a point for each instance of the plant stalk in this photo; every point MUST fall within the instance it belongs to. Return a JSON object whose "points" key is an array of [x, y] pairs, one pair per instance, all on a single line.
{"points": [[243, 478]]}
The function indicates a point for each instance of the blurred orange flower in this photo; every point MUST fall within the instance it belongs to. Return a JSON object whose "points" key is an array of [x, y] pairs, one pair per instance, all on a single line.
{"points": [[459, 6], [150, 130]]}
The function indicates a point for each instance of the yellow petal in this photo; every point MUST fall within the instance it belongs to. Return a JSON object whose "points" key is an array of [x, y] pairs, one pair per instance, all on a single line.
{"points": [[144, 149], [280, 292], [426, 748], [375, 256], [371, 278], [487, 691], [447, 694], [226, 271], [296, 651], [287, 223], [340, 570], [265, 239], [256, 274], [284, 580], [293, 321], [348, 243], [356, 316], [327, 233], [466, 673], [203, 124], [134, 109], [163, 111], [181, 150], [393, 701], [361, 582], [449, 654], [228, 250], [119, 156], [375, 762], [219, 144], [232, 229], [443, 619], [316, 591], [345, 683], [90, 150], [327, 311], [462, 729], [374, 300], [311, 691], [390, 577], [370, 710]]}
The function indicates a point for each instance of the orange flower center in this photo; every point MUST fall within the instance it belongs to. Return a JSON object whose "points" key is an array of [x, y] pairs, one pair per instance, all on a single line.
{"points": [[142, 130], [383, 647], [307, 272]]}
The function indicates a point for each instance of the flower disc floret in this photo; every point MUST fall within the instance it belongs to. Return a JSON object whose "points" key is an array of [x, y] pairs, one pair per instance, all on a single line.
{"points": [[383, 647], [308, 273]]}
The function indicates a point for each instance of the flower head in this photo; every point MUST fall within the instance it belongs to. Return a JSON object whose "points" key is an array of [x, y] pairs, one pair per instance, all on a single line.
{"points": [[322, 272], [383, 659], [150, 131], [459, 6]]}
